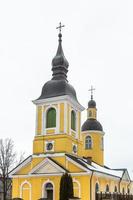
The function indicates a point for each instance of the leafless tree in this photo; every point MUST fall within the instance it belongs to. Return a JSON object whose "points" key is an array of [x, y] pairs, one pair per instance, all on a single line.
{"points": [[7, 159]]}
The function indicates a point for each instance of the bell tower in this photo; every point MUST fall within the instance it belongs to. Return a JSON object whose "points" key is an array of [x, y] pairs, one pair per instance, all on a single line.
{"points": [[93, 135], [58, 112]]}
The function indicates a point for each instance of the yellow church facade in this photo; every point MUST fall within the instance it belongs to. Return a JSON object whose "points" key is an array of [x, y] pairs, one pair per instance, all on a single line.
{"points": [[61, 145]]}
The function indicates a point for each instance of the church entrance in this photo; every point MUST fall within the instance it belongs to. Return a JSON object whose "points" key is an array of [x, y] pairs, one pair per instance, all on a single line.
{"points": [[49, 191]]}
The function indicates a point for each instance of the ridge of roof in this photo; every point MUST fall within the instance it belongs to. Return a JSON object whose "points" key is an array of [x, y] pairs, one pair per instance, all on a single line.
{"points": [[20, 164], [84, 163]]}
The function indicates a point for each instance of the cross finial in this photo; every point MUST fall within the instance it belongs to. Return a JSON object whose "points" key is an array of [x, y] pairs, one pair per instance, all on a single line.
{"points": [[60, 27], [91, 90]]}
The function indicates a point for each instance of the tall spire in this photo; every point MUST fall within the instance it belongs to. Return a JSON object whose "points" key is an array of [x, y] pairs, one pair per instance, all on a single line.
{"points": [[59, 62]]}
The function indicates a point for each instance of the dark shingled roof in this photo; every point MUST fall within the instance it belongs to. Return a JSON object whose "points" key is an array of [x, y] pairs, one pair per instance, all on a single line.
{"points": [[91, 104], [92, 124], [54, 88]]}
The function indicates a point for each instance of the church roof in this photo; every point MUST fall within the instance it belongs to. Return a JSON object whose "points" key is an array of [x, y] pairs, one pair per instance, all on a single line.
{"points": [[92, 124], [91, 104], [87, 166], [118, 173]]}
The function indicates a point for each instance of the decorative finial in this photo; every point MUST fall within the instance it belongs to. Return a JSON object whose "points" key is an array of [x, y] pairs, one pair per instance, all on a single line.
{"points": [[59, 62], [60, 27], [91, 90]]}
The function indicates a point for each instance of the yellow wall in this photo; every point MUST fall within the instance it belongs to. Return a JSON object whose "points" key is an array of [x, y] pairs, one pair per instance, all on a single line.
{"points": [[36, 187], [62, 118], [96, 152], [39, 120], [62, 143]]}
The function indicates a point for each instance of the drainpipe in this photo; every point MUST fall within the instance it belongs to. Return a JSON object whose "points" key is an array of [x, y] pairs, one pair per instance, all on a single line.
{"points": [[91, 185], [128, 185], [120, 185]]}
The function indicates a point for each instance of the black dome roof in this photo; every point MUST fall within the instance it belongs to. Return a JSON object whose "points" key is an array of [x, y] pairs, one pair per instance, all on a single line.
{"points": [[58, 85], [92, 124], [91, 104], [54, 88]]}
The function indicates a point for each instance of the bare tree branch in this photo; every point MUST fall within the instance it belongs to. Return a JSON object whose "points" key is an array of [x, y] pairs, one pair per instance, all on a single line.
{"points": [[7, 159]]}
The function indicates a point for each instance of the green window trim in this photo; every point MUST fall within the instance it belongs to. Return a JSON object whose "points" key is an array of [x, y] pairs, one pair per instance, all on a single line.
{"points": [[51, 118], [73, 120]]}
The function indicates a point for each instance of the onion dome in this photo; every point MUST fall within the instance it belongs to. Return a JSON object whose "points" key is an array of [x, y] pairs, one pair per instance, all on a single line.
{"points": [[60, 63], [58, 85], [91, 104], [92, 124]]}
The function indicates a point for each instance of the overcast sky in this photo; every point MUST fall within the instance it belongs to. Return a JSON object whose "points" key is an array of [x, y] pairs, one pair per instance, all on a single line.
{"points": [[97, 42]]}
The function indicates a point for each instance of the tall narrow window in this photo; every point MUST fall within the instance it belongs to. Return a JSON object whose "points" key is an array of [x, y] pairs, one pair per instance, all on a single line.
{"points": [[115, 190], [76, 188], [25, 191], [88, 142], [49, 191], [107, 188], [102, 144], [97, 187], [51, 118], [73, 120]]}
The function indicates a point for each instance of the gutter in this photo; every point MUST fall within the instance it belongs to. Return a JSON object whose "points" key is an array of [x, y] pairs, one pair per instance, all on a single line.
{"points": [[128, 186], [120, 185], [91, 185]]}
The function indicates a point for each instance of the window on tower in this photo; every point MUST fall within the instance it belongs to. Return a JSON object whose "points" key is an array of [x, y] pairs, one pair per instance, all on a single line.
{"points": [[102, 144], [73, 120], [51, 118], [88, 142]]}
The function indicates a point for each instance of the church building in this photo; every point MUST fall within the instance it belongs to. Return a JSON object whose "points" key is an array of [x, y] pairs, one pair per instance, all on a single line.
{"points": [[61, 144]]}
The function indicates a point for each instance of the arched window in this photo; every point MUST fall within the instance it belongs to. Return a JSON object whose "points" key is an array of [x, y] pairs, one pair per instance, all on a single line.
{"points": [[123, 190], [97, 187], [49, 191], [90, 113], [73, 120], [115, 189], [128, 190], [25, 190], [107, 188], [51, 118], [76, 188], [88, 142]]}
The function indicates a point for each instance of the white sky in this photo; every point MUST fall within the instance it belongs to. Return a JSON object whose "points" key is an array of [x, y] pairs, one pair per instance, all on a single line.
{"points": [[97, 42]]}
